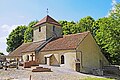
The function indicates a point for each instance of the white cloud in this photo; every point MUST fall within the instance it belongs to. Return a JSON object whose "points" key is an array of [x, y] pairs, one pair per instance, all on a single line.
{"points": [[114, 2], [2, 39], [4, 32], [8, 28], [3, 45]]}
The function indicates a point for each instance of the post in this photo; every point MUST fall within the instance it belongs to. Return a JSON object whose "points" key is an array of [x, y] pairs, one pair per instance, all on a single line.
{"points": [[30, 77], [6, 65], [17, 63]]}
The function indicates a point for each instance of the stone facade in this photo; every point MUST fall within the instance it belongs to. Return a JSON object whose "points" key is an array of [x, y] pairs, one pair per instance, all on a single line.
{"points": [[87, 56], [46, 32], [90, 55]]}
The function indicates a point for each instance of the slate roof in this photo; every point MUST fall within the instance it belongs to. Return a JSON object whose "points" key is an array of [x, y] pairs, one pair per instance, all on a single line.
{"points": [[47, 19], [67, 42]]}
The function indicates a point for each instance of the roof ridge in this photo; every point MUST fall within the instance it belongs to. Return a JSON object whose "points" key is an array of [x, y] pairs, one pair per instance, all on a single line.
{"points": [[47, 19], [77, 33]]}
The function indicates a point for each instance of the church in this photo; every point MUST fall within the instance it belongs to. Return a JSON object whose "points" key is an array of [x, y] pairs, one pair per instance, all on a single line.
{"points": [[78, 51]]}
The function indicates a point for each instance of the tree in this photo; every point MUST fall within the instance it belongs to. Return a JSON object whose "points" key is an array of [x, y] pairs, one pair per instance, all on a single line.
{"points": [[85, 24], [115, 33], [67, 26], [107, 36], [28, 35], [115, 13], [1, 53], [15, 38]]}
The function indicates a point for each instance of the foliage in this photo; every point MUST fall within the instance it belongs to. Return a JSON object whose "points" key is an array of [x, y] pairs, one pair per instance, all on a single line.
{"points": [[85, 24], [1, 53], [28, 35], [115, 13], [67, 26], [107, 31], [15, 38], [89, 78]]}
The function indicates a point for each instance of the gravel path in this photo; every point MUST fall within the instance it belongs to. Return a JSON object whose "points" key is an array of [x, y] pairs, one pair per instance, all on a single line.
{"points": [[58, 73]]}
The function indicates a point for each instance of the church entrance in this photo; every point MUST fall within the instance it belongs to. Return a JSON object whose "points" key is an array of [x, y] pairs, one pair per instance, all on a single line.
{"points": [[78, 67], [47, 59]]}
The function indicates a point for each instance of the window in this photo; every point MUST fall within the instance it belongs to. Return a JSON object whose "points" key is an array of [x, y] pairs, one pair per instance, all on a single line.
{"points": [[53, 28], [39, 29], [27, 58], [62, 59]]}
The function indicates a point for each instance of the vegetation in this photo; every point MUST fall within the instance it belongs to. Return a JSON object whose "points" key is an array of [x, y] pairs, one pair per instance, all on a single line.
{"points": [[89, 78], [15, 38], [106, 32], [1, 53], [29, 32]]}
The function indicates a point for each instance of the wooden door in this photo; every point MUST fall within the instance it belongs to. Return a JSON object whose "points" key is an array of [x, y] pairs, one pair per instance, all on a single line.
{"points": [[45, 60], [78, 67]]}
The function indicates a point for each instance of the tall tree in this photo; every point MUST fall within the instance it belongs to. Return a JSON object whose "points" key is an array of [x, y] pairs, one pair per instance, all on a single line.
{"points": [[15, 38], [85, 24], [107, 37], [28, 35], [67, 26], [115, 32], [1, 53]]}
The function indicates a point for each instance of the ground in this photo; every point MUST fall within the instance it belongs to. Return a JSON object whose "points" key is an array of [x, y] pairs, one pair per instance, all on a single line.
{"points": [[57, 74]]}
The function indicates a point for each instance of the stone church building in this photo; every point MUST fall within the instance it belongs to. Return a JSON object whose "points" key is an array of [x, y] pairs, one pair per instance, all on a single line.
{"points": [[75, 51]]}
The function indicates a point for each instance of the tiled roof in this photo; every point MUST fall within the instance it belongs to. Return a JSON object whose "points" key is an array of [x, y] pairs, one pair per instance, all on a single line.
{"points": [[17, 52], [67, 42], [33, 46], [26, 47], [47, 19]]}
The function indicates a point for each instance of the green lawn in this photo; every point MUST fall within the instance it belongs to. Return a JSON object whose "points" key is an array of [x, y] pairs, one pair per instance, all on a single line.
{"points": [[89, 78]]}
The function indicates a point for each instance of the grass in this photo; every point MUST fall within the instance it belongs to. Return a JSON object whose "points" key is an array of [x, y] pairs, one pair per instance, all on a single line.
{"points": [[89, 78]]}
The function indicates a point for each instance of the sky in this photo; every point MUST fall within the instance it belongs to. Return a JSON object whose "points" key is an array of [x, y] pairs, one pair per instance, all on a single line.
{"points": [[21, 12]]}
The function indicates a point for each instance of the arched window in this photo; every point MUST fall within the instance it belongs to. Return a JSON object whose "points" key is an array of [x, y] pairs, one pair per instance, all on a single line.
{"points": [[62, 59]]}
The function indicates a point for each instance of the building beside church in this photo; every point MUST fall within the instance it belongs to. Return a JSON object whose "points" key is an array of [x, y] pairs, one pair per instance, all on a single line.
{"points": [[75, 51]]}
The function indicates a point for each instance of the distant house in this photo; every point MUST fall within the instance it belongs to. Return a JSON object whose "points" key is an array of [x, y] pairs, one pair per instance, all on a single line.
{"points": [[76, 51]]}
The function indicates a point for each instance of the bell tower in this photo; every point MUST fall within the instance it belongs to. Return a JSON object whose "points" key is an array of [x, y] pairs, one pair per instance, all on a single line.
{"points": [[46, 28]]}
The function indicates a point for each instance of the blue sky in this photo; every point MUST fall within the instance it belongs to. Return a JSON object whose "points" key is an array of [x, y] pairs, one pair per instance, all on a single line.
{"points": [[21, 12]]}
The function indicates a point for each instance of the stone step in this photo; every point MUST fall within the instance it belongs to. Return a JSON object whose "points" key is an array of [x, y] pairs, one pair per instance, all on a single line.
{"points": [[41, 69]]}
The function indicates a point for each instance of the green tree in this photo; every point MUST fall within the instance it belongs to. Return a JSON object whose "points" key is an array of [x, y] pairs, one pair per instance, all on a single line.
{"points": [[1, 53], [28, 35], [67, 26], [115, 33], [107, 36], [115, 13], [85, 24], [15, 38]]}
